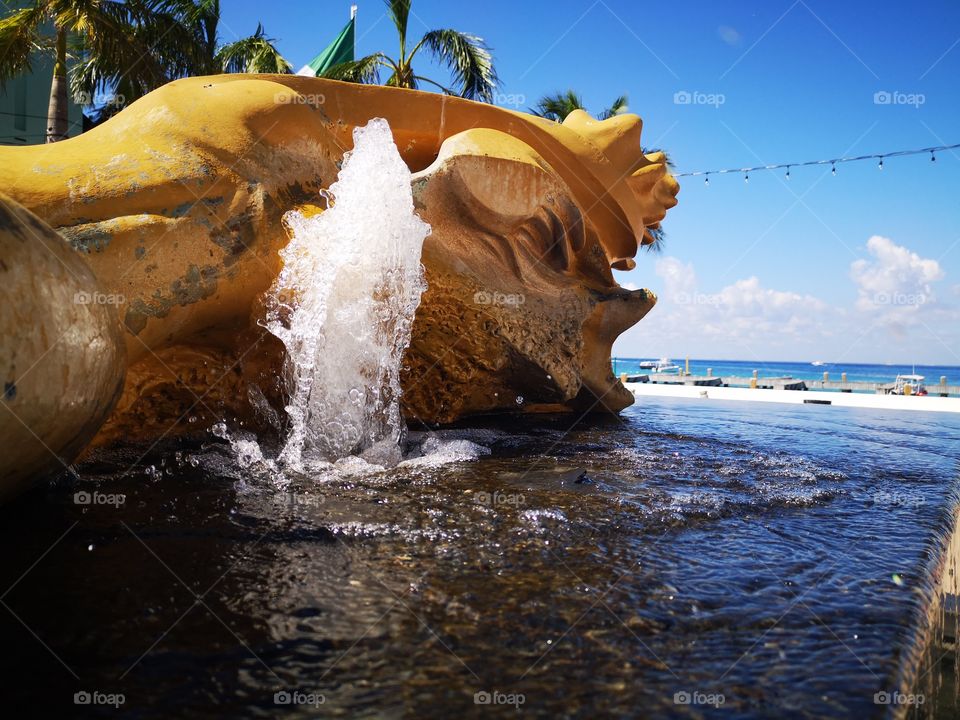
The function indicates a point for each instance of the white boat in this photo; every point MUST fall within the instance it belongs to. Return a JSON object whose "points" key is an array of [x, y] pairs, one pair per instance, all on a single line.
{"points": [[914, 381], [663, 365], [818, 363]]}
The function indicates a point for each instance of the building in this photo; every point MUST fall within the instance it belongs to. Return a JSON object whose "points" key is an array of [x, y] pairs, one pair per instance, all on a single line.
{"points": [[23, 106]]}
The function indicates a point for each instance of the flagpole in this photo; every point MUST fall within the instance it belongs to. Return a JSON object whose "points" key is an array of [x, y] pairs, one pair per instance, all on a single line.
{"points": [[353, 16]]}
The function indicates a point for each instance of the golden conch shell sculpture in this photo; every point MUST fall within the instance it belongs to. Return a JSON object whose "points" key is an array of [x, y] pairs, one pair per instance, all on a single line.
{"points": [[174, 209]]}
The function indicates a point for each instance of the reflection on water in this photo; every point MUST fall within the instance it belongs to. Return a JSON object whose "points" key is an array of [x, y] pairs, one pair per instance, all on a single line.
{"points": [[770, 561]]}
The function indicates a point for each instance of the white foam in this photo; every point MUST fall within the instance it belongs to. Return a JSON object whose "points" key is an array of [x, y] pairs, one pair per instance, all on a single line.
{"points": [[437, 451]]}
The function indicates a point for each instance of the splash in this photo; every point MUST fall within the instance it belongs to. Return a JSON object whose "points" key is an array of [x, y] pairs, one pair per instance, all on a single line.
{"points": [[343, 306]]}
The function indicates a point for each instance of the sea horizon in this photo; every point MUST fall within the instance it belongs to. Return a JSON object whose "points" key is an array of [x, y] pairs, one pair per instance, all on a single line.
{"points": [[801, 369]]}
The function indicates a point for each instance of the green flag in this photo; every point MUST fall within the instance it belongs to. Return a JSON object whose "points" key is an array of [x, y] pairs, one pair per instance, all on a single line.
{"points": [[339, 51]]}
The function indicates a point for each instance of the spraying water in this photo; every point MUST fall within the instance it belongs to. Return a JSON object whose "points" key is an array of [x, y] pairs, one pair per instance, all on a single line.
{"points": [[343, 306]]}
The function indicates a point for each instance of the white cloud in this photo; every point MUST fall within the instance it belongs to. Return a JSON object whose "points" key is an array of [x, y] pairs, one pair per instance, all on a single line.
{"points": [[744, 314], [896, 315], [678, 278], [729, 35], [895, 279]]}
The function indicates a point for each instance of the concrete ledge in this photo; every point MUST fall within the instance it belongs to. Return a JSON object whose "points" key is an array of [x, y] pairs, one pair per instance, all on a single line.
{"points": [[795, 397]]}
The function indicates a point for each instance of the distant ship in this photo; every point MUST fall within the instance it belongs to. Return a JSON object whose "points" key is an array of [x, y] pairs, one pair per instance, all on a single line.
{"points": [[818, 363]]}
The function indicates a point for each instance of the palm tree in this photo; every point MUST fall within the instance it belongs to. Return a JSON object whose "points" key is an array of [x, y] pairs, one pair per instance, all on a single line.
{"points": [[106, 28], [558, 106], [204, 52], [183, 35], [466, 55], [124, 49]]}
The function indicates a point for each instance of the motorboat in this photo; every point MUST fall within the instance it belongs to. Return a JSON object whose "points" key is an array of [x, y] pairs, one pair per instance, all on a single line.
{"points": [[914, 382]]}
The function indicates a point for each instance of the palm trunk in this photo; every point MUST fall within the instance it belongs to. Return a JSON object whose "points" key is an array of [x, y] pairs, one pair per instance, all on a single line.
{"points": [[405, 76], [57, 110]]}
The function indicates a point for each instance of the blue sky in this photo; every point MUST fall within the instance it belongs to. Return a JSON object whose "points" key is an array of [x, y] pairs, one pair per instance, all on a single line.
{"points": [[863, 266]]}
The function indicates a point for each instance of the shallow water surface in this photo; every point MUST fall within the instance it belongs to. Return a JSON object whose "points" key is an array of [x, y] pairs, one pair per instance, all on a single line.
{"points": [[684, 559]]}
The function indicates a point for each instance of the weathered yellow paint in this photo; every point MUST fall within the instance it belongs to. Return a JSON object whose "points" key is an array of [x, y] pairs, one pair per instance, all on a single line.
{"points": [[61, 359]]}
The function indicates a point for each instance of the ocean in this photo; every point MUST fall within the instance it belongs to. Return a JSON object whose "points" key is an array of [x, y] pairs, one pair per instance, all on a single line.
{"points": [[856, 372]]}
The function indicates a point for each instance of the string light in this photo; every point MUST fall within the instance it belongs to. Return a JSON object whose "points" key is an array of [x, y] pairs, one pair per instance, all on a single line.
{"points": [[832, 162], [706, 180]]}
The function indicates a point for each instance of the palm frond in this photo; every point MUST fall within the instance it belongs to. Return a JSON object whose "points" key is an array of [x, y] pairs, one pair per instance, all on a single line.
{"points": [[468, 59], [253, 54], [416, 79], [658, 238], [112, 45], [558, 106], [366, 70], [399, 12], [19, 36], [618, 107], [182, 34]]}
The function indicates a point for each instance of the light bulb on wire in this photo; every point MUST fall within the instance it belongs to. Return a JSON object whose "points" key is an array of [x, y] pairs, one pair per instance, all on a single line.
{"points": [[788, 169]]}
